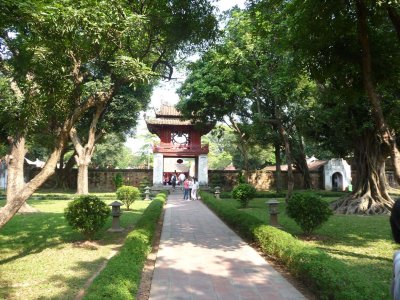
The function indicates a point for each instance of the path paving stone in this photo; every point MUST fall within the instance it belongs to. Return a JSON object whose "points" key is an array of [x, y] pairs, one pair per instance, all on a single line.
{"points": [[200, 258]]}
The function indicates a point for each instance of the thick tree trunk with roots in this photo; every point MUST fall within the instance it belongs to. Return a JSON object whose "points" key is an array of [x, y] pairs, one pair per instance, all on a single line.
{"points": [[370, 195], [387, 137]]}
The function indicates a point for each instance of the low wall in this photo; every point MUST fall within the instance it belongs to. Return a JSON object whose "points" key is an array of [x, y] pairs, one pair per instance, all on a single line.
{"points": [[103, 179], [261, 180]]}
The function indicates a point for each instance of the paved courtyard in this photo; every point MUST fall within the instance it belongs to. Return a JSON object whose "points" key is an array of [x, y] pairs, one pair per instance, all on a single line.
{"points": [[199, 257]]}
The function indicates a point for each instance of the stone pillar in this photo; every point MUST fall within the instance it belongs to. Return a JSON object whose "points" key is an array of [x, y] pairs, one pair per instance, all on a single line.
{"points": [[158, 167], [203, 169]]}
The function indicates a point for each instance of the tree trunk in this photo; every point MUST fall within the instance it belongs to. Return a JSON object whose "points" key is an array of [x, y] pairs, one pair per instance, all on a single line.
{"points": [[63, 176], [83, 158], [387, 136], [242, 144], [301, 163], [18, 193], [395, 18], [15, 178], [84, 153], [370, 194], [83, 178], [278, 164], [288, 153]]}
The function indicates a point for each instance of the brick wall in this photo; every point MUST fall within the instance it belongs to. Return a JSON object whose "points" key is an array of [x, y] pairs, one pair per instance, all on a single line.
{"points": [[102, 179]]}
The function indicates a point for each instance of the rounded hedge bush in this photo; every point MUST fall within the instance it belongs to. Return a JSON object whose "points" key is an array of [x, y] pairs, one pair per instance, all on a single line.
{"points": [[308, 210], [128, 194], [87, 214], [244, 192]]}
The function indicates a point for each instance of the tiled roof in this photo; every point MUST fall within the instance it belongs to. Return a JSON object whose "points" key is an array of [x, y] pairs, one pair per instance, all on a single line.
{"points": [[168, 121], [312, 166], [315, 165], [168, 110]]}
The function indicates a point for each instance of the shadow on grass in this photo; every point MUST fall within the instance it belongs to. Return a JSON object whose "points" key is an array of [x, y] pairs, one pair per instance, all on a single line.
{"points": [[346, 230], [344, 253], [6, 290], [73, 284], [33, 233]]}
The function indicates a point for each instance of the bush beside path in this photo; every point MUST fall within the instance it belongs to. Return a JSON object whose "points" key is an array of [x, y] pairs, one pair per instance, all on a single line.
{"points": [[350, 257], [42, 257]]}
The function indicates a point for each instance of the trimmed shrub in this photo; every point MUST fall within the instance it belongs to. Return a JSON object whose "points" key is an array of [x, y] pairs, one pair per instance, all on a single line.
{"points": [[239, 221], [308, 210], [127, 195], [118, 180], [87, 214], [326, 276], [244, 192], [121, 277]]}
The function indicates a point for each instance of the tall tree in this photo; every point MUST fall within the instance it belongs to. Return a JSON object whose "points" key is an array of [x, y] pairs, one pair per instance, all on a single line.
{"points": [[349, 48], [118, 116], [61, 58], [244, 79]]}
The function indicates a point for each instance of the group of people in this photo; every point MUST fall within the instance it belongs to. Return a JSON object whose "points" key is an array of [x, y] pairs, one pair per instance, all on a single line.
{"points": [[190, 189], [189, 186]]}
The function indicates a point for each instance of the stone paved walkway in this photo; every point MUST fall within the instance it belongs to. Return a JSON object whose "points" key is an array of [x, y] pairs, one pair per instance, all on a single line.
{"points": [[200, 258]]}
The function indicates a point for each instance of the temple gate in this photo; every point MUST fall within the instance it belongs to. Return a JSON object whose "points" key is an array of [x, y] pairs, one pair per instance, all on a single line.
{"points": [[180, 141]]}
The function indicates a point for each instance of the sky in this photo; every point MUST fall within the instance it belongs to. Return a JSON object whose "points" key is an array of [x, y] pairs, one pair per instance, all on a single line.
{"points": [[166, 90]]}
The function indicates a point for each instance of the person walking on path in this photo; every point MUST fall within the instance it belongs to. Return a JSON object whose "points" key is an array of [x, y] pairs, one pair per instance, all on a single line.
{"points": [[195, 189], [186, 189], [173, 181], [182, 178], [190, 187]]}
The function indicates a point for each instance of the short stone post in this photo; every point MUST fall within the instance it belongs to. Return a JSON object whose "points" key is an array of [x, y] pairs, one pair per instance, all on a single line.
{"points": [[273, 208], [116, 213], [217, 192], [147, 193]]}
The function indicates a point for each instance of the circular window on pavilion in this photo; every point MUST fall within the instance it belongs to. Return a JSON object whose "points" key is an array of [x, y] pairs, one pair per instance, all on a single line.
{"points": [[180, 138], [179, 161]]}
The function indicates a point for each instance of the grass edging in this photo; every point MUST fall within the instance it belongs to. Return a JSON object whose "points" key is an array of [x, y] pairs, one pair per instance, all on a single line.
{"points": [[121, 277], [324, 275]]}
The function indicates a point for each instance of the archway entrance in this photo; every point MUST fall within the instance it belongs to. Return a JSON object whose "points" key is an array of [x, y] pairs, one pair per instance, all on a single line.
{"points": [[186, 166], [337, 182]]}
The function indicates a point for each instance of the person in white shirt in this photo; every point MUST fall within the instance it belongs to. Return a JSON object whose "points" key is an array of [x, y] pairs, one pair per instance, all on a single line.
{"points": [[195, 189], [181, 178], [190, 188]]}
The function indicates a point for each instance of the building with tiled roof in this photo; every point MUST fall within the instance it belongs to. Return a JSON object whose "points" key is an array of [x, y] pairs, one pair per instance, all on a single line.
{"points": [[180, 139]]}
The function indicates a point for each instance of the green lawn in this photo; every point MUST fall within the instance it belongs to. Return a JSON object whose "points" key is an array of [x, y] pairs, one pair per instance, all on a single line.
{"points": [[39, 256], [363, 243]]}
